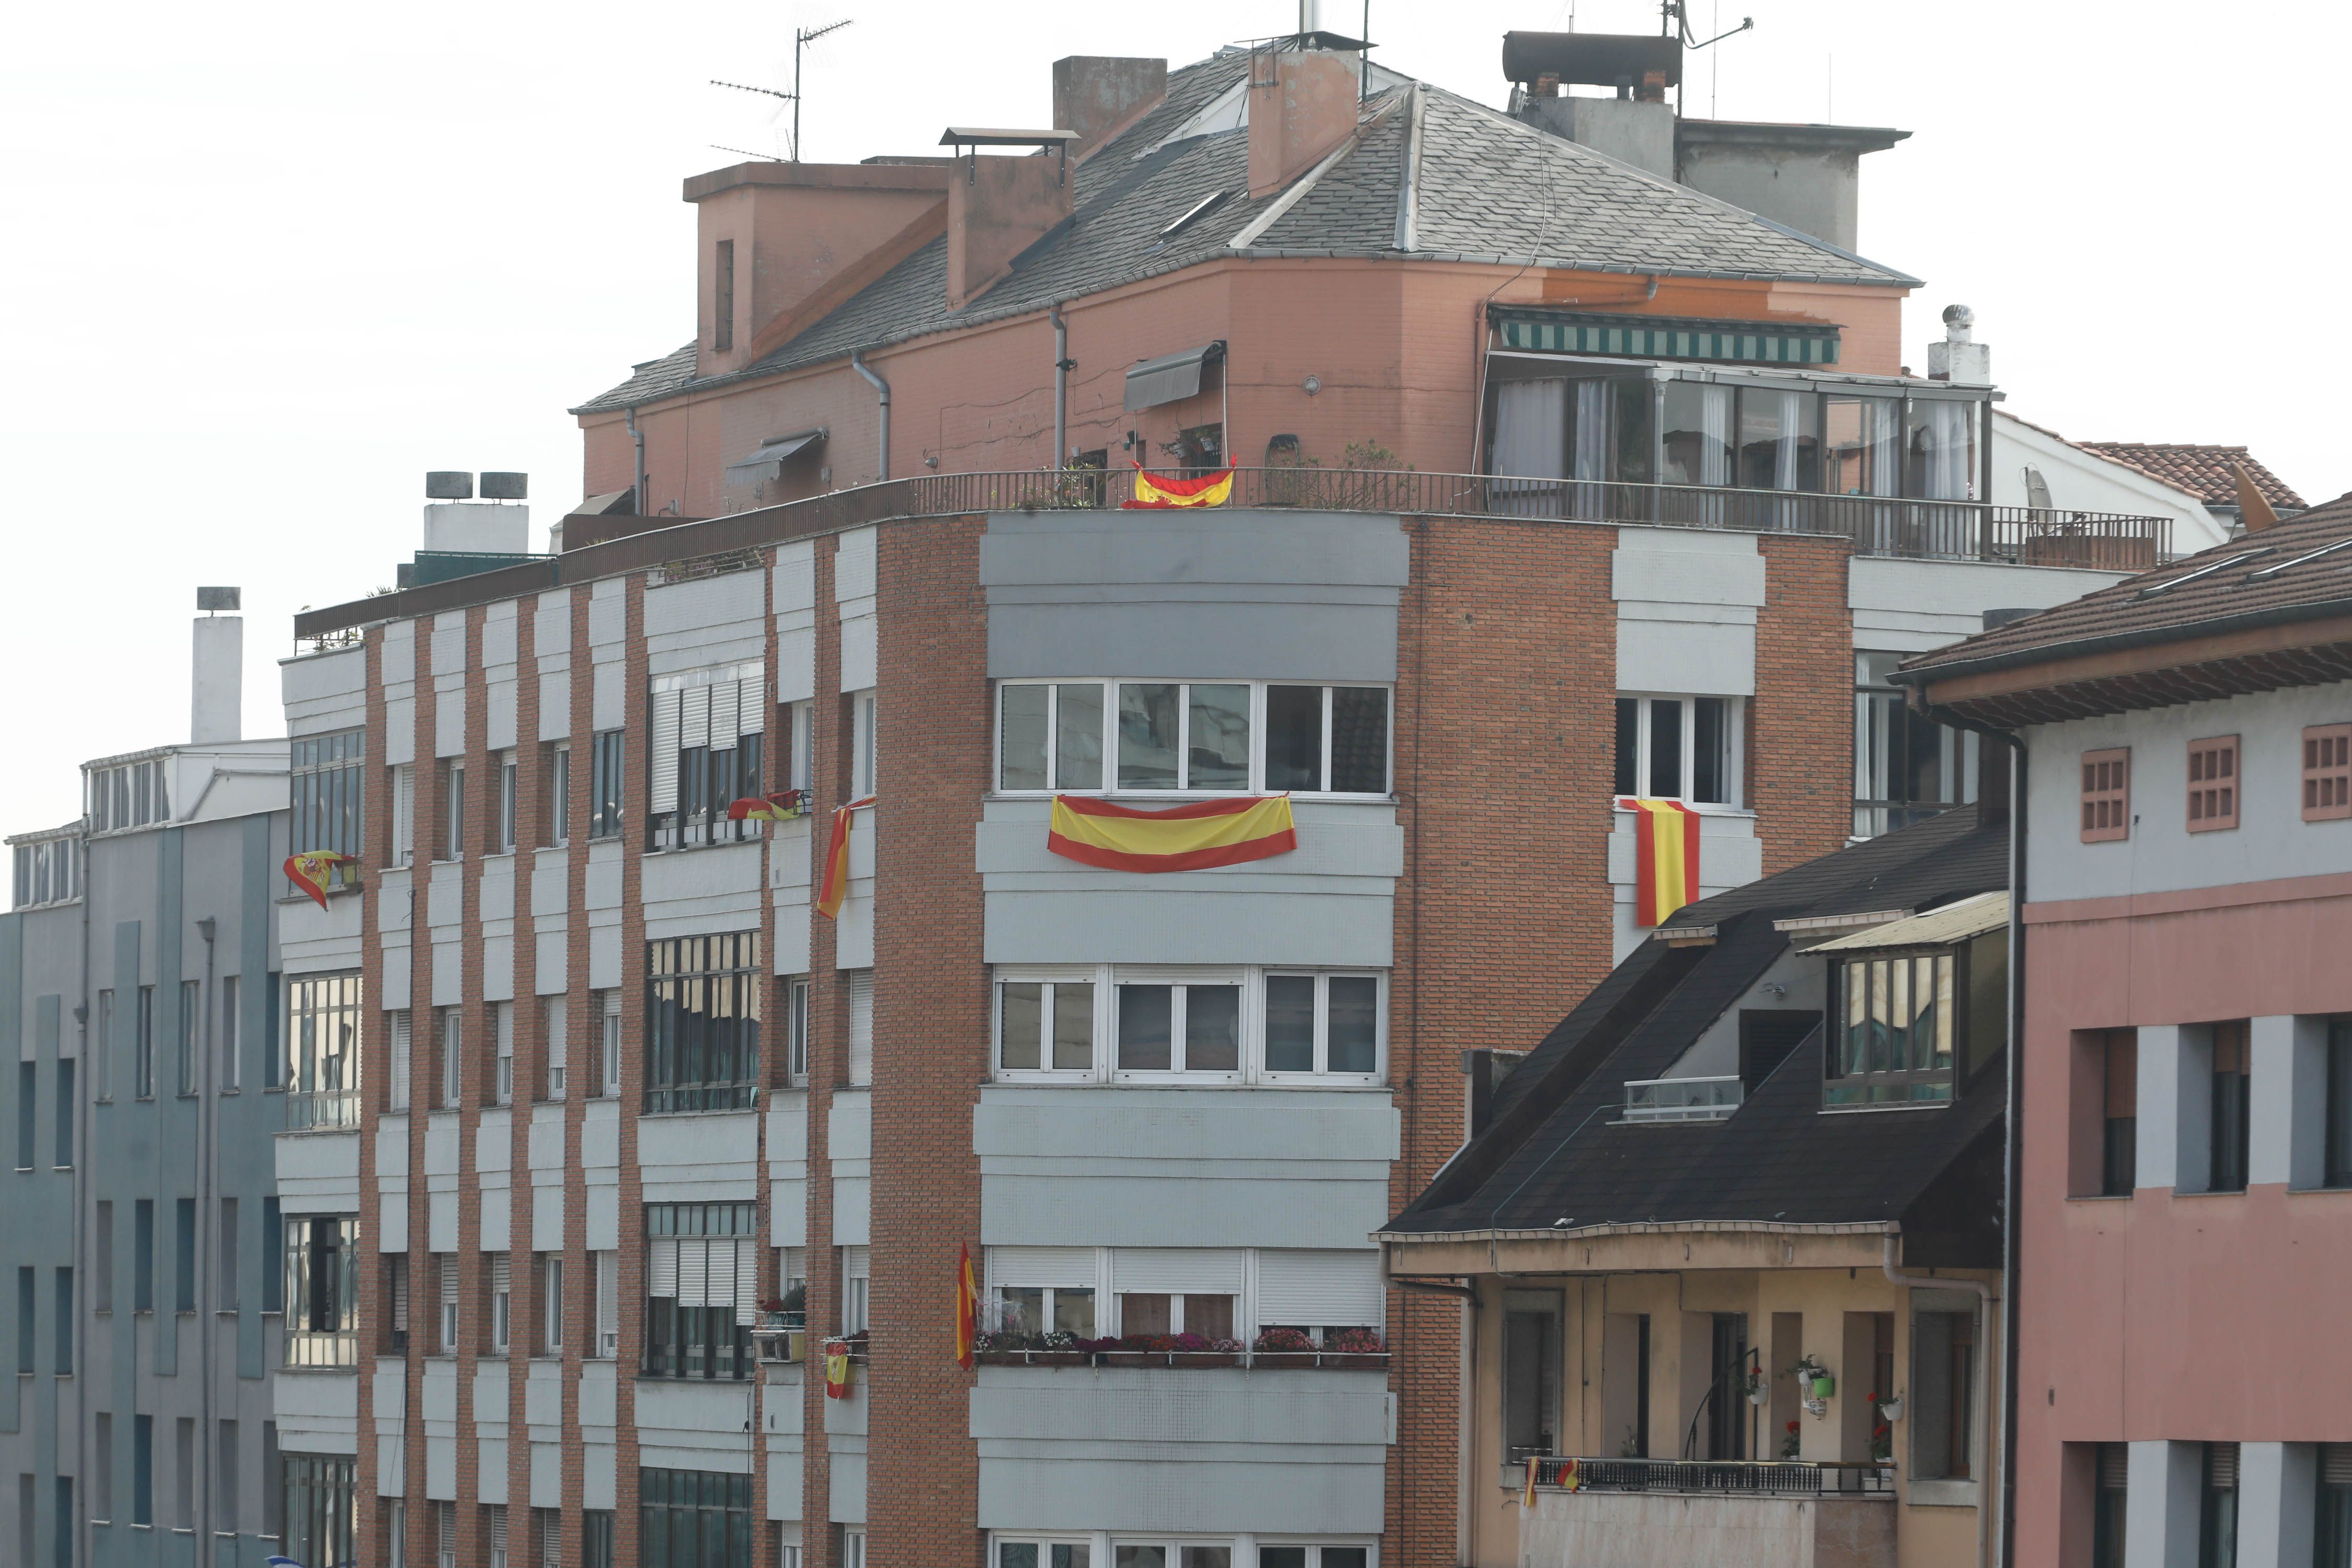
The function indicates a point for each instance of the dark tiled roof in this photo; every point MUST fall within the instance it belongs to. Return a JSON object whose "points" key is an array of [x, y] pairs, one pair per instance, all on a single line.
{"points": [[1553, 1150], [2202, 472], [1485, 187], [2241, 591]]}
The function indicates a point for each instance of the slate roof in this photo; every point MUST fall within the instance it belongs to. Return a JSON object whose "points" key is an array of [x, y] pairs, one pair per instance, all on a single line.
{"points": [[2242, 590], [2202, 472], [1553, 1152], [1477, 185]]}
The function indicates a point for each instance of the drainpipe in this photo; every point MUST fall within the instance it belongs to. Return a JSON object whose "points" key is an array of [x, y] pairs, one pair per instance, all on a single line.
{"points": [[207, 1244], [1061, 387], [1984, 1369], [882, 391], [637, 489], [84, 1188]]}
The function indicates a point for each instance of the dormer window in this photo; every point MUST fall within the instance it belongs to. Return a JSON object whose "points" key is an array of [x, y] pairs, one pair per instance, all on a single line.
{"points": [[1917, 1006]]}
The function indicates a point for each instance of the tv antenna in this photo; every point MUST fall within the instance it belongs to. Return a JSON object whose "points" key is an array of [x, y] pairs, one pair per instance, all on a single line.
{"points": [[1676, 20], [801, 38]]}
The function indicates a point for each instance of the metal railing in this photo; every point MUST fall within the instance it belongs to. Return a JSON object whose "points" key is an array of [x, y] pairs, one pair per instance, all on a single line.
{"points": [[1680, 1098], [1721, 1478], [1873, 525]]}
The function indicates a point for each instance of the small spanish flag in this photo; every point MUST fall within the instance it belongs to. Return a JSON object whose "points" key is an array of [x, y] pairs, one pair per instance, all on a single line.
{"points": [[835, 887], [784, 807], [967, 1306], [312, 870], [1182, 838], [836, 1368], [1209, 489], [1665, 858]]}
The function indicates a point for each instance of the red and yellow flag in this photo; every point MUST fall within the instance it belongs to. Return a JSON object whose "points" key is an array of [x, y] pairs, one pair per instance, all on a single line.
{"points": [[836, 1368], [835, 887], [1182, 838], [312, 870], [1211, 489], [783, 808], [1665, 858], [967, 1307]]}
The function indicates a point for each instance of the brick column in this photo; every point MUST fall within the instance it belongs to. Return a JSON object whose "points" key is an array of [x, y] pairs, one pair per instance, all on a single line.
{"points": [[429, 809], [530, 1082], [477, 1050], [631, 1259], [583, 1028], [1801, 724], [828, 1065], [370, 1530]]}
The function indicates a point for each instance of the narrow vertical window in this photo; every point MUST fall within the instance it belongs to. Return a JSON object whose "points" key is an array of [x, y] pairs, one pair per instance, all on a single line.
{"points": [[403, 813], [2339, 1103], [550, 1303], [65, 1329], [608, 1042], [143, 1469], [558, 768], [2213, 783], [509, 777], [2106, 795], [502, 1038], [2231, 1107], [796, 1030], [453, 1082], [142, 1255], [605, 784], [225, 1491], [101, 1045], [28, 1110], [101, 1490], [65, 1157], [396, 1032], [2328, 773], [183, 1257], [447, 1263], [453, 809], [226, 1297], [501, 1302], [555, 1043], [722, 297], [190, 1021], [273, 1247], [102, 1258], [143, 1046], [2119, 1156], [232, 1033]]}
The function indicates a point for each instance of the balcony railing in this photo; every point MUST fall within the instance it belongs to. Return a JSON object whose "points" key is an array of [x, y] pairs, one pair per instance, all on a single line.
{"points": [[1680, 1098], [1873, 525], [1265, 1361], [308, 1109], [1720, 1478]]}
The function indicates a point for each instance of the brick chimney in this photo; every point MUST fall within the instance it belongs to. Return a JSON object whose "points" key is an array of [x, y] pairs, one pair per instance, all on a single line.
{"points": [[1098, 95], [1302, 104], [778, 245], [998, 207]]}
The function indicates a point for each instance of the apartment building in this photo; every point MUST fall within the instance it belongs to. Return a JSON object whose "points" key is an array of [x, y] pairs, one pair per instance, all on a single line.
{"points": [[141, 1236], [2186, 1085]]}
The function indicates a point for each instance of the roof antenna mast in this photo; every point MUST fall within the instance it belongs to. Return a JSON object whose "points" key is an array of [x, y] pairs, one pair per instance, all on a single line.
{"points": [[801, 38]]}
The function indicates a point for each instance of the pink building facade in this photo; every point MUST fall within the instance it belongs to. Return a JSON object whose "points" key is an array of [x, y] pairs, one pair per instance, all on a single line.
{"points": [[2183, 1176]]}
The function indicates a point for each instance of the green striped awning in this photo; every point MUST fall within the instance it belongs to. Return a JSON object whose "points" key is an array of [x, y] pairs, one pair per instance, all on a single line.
{"points": [[1666, 337]]}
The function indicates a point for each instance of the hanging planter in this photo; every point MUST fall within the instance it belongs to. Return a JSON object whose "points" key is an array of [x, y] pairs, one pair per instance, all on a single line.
{"points": [[1892, 1409]]}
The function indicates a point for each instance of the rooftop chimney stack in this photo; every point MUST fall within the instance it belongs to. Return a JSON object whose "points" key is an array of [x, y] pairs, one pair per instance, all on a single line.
{"points": [[1099, 95], [998, 207], [1959, 357], [217, 690], [1302, 104]]}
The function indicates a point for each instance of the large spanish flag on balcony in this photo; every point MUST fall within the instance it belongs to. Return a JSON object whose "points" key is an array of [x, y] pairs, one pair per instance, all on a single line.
{"points": [[835, 887], [1665, 858], [1209, 489], [1182, 838]]}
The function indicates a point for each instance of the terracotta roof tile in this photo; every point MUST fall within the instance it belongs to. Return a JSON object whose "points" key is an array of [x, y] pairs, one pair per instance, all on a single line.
{"points": [[2202, 472]]}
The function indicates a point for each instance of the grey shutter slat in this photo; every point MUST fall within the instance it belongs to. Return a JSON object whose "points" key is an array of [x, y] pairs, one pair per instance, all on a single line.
{"points": [[1056, 1266], [856, 1263], [1176, 1272], [2335, 1464], [501, 1274], [694, 717], [663, 1265], [725, 697], [752, 700], [2221, 1466], [608, 1298], [861, 1027], [747, 1279], [693, 1271], [662, 751], [400, 1303], [1320, 1289]]}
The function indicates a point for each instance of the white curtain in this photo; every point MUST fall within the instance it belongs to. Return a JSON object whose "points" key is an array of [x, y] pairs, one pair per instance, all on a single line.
{"points": [[1714, 426], [1591, 430], [1532, 429]]}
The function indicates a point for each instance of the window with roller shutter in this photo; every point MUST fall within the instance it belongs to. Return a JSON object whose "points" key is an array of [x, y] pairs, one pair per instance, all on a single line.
{"points": [[861, 1027], [702, 1290], [1319, 1291], [707, 753]]}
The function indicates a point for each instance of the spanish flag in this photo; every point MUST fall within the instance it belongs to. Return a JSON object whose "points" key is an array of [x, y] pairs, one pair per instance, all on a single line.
{"points": [[967, 1306], [836, 886], [1212, 490], [836, 1368], [312, 870], [1182, 838], [783, 808], [1665, 858]]}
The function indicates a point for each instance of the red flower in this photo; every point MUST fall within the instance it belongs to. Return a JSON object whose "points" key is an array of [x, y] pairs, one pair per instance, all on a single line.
{"points": [[1792, 1425]]}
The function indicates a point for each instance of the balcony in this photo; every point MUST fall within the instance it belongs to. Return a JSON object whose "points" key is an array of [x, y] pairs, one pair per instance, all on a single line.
{"points": [[1873, 525], [1718, 1478], [1680, 1098], [1702, 1514]]}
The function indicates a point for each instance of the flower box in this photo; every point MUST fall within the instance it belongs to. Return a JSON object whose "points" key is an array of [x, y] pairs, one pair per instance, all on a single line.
{"points": [[1277, 1359], [1123, 1358], [1357, 1361]]}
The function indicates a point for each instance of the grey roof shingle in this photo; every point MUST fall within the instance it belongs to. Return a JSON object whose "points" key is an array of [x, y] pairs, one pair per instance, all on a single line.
{"points": [[1486, 188]]}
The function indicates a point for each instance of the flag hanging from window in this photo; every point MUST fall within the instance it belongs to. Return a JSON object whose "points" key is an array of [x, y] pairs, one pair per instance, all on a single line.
{"points": [[1665, 858], [836, 1368], [312, 870], [835, 887], [1182, 838], [785, 808], [967, 1306], [1209, 489]]}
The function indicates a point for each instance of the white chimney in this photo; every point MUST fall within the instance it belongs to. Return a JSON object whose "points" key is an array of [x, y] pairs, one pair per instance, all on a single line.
{"points": [[1959, 357], [216, 695]]}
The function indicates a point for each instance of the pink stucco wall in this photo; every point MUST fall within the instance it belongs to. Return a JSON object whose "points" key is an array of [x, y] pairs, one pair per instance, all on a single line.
{"points": [[2199, 1317]]}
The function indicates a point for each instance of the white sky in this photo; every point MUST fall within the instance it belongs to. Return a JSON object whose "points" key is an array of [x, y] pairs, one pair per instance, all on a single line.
{"points": [[265, 264]]}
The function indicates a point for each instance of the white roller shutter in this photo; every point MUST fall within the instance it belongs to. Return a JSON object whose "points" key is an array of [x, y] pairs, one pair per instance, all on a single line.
{"points": [[661, 749], [725, 697], [400, 1054], [661, 1264], [400, 1302], [1177, 1271], [856, 1263], [861, 1027], [752, 699], [608, 1304], [1066, 1266], [694, 717], [693, 1271], [747, 1279], [501, 1280], [1320, 1289]]}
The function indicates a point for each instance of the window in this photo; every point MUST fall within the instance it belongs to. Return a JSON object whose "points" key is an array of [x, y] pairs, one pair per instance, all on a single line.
{"points": [[395, 1280], [45, 871], [2328, 773], [273, 1485], [550, 1303], [142, 1255], [705, 755], [857, 1288], [1225, 737], [2231, 1107], [396, 1530], [1051, 1553], [596, 1538], [273, 1247], [503, 1045], [330, 798], [865, 743], [499, 1268], [1324, 1025], [28, 1107], [1943, 1380], [232, 1033], [494, 1530], [224, 1464], [796, 1030], [143, 1469], [445, 1532], [861, 1025], [1530, 1374], [702, 1022], [2337, 1165], [101, 1046], [555, 1043], [65, 1325], [1253, 1025], [1043, 1290], [607, 1343], [546, 1524], [722, 297], [143, 1046], [1679, 748], [66, 1105], [2213, 783], [2120, 1147], [322, 1076], [608, 1042], [317, 1502], [322, 1290], [555, 770], [224, 1290], [453, 808], [446, 1275], [184, 1494], [1906, 767], [2106, 795], [453, 1053], [508, 778], [1893, 1043], [191, 1019], [403, 813], [1313, 1556], [102, 1258], [131, 795], [605, 784], [702, 1288], [184, 1259], [101, 1486], [694, 1519], [1179, 1029], [396, 1030], [2217, 1511], [2333, 1525], [27, 1286], [801, 738], [1046, 1025]]}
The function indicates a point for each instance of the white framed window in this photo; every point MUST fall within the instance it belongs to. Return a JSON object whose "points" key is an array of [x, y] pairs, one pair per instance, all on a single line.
{"points": [[396, 1524], [396, 1030], [865, 747], [608, 1042], [555, 1043], [232, 1033], [1119, 1024], [509, 806], [796, 1030], [1153, 1553], [501, 1302], [550, 1303], [1046, 1290], [502, 1032], [1163, 737], [861, 1027], [445, 1532], [497, 1520], [453, 808], [445, 1268], [1317, 1553], [1680, 748], [1228, 1296], [558, 826], [453, 1059], [1042, 1552], [403, 813], [856, 1269], [800, 737], [606, 1345], [853, 1548]]}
